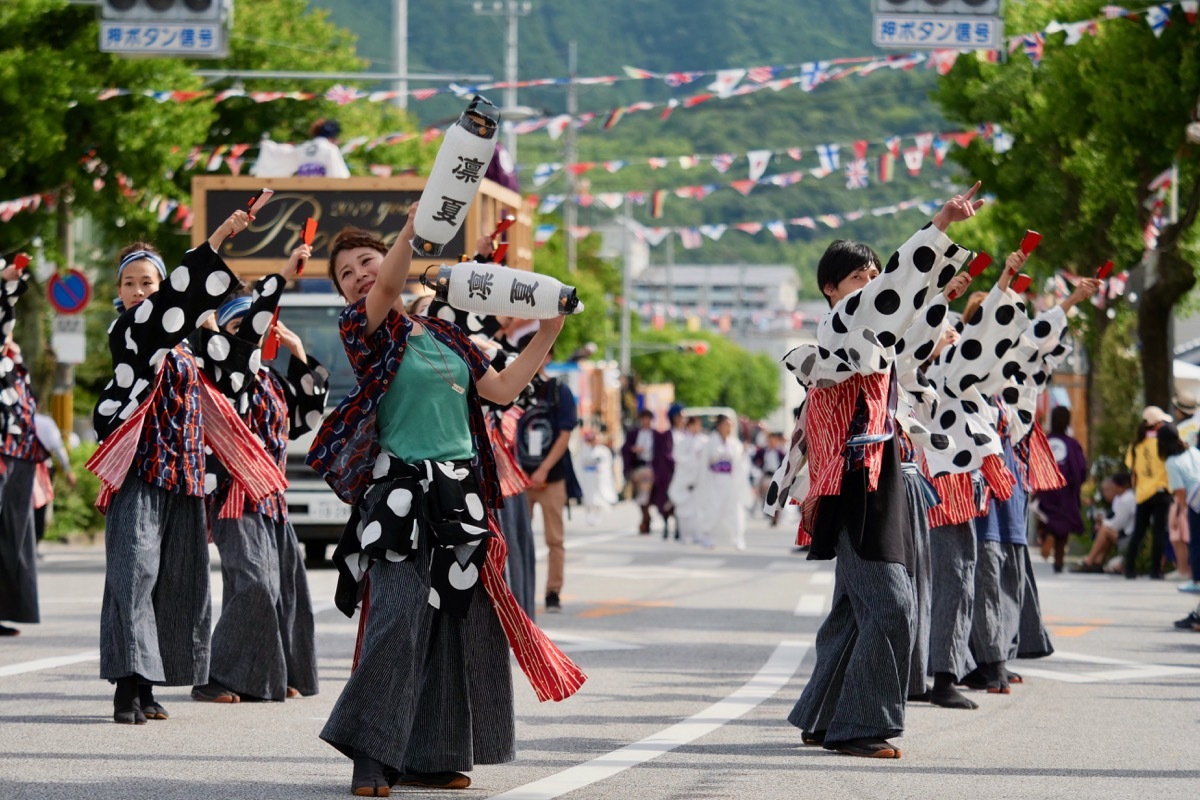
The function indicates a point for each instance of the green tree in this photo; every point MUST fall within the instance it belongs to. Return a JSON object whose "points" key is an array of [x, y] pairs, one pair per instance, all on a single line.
{"points": [[1092, 125]]}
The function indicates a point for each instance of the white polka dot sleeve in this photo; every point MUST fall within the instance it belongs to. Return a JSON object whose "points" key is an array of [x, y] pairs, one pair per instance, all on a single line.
{"points": [[263, 302], [861, 330], [140, 338], [9, 292], [306, 388], [981, 358]]}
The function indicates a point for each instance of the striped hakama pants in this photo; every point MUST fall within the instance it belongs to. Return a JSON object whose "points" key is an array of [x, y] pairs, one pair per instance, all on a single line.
{"points": [[431, 693], [18, 543], [952, 559], [990, 627], [263, 640], [156, 618], [918, 516], [516, 524], [859, 685], [1033, 641]]}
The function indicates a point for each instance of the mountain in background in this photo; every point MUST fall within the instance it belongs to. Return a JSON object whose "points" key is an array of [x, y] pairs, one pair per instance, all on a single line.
{"points": [[682, 35]]}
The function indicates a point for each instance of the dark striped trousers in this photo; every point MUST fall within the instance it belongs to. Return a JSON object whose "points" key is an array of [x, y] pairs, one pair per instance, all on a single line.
{"points": [[918, 518], [156, 618], [520, 571], [859, 684], [431, 693], [264, 639], [952, 560], [989, 625], [1033, 641], [18, 543]]}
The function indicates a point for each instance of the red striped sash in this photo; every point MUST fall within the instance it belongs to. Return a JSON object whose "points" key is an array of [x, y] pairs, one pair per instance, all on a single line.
{"points": [[111, 461], [237, 447], [957, 494], [998, 477], [513, 479], [1044, 474]]}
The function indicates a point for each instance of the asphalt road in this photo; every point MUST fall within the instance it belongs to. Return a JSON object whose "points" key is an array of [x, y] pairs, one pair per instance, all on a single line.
{"points": [[694, 657]]}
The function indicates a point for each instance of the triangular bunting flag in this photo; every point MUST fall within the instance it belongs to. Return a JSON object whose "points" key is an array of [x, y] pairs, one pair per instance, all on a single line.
{"points": [[860, 149], [749, 227], [758, 162], [690, 238], [828, 153], [887, 167], [912, 159], [924, 141], [727, 80], [713, 232], [778, 229], [745, 187]]}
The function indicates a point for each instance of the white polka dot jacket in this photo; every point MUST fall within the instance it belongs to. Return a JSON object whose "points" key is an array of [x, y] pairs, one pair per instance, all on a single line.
{"points": [[157, 414], [276, 406], [17, 406]]}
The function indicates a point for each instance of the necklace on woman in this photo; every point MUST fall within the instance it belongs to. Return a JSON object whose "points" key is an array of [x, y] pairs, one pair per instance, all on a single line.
{"points": [[448, 375]]}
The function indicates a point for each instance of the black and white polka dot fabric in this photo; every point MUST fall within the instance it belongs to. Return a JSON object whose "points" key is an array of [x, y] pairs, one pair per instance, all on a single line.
{"points": [[437, 499], [142, 336], [917, 402], [10, 396], [1041, 350], [978, 363], [858, 336]]}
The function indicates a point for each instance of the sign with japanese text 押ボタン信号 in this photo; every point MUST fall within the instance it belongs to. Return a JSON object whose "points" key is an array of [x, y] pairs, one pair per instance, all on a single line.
{"points": [[938, 24], [199, 39]]}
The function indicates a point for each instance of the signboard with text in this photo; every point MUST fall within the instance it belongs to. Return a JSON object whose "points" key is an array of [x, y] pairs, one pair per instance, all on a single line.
{"points": [[132, 37], [938, 24], [376, 205]]}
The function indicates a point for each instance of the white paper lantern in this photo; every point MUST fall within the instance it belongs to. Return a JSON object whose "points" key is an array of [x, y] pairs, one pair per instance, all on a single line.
{"points": [[504, 291], [453, 183]]}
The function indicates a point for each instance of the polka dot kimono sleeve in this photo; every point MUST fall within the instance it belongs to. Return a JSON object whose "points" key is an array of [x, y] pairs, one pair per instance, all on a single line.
{"points": [[861, 330], [263, 303], [9, 292], [983, 357], [230, 363], [968, 419], [306, 388], [918, 342]]}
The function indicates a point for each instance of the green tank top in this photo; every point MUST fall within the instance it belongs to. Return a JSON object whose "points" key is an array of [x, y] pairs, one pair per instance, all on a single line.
{"points": [[421, 416]]}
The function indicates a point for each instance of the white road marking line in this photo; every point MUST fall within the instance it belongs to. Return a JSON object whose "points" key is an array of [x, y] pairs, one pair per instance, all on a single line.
{"points": [[571, 643], [1129, 670], [822, 579], [647, 573], [810, 605], [774, 675], [698, 563], [790, 565], [48, 663], [574, 544]]}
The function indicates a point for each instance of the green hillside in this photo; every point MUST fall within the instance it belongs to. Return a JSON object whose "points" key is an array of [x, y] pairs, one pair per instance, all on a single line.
{"points": [[679, 35]]}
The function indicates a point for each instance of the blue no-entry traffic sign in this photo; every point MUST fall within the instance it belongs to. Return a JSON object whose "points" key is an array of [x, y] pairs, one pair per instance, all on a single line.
{"points": [[69, 292]]}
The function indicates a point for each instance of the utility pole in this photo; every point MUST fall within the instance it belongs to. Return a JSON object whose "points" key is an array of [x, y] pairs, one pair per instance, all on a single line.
{"points": [[512, 10], [400, 50], [626, 288], [570, 210]]}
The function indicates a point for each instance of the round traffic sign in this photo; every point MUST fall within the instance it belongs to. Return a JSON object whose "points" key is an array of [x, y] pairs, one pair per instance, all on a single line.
{"points": [[69, 292]]}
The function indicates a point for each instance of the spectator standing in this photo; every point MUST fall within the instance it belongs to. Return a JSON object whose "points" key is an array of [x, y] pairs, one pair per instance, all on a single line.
{"points": [[1149, 473], [543, 435], [649, 461], [50, 436], [1183, 476], [596, 476], [1060, 507], [1187, 413]]}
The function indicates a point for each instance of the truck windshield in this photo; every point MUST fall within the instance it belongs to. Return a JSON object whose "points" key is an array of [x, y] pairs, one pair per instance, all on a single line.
{"points": [[317, 327]]}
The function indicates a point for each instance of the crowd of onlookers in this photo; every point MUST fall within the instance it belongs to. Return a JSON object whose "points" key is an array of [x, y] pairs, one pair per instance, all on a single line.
{"points": [[1156, 497]]}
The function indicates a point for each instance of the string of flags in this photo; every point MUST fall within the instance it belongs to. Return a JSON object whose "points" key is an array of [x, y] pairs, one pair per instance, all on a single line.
{"points": [[938, 144], [727, 83], [692, 237]]}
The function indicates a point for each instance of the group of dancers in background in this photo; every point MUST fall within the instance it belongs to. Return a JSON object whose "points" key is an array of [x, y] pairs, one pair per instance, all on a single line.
{"points": [[912, 460]]}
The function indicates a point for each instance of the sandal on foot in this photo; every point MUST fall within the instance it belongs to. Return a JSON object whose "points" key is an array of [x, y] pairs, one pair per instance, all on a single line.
{"points": [[1014, 677], [213, 692], [369, 779], [435, 780], [292, 691], [7, 631], [127, 709], [973, 680], [865, 748], [998, 687], [812, 737]]}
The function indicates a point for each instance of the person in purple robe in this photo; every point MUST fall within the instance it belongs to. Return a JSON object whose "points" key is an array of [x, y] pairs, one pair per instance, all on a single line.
{"points": [[1058, 510], [649, 461]]}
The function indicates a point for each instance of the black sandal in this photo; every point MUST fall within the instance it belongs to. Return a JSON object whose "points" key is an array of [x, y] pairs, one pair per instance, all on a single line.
{"points": [[370, 778], [213, 692], [127, 709], [812, 737], [150, 707], [865, 748], [435, 780]]}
